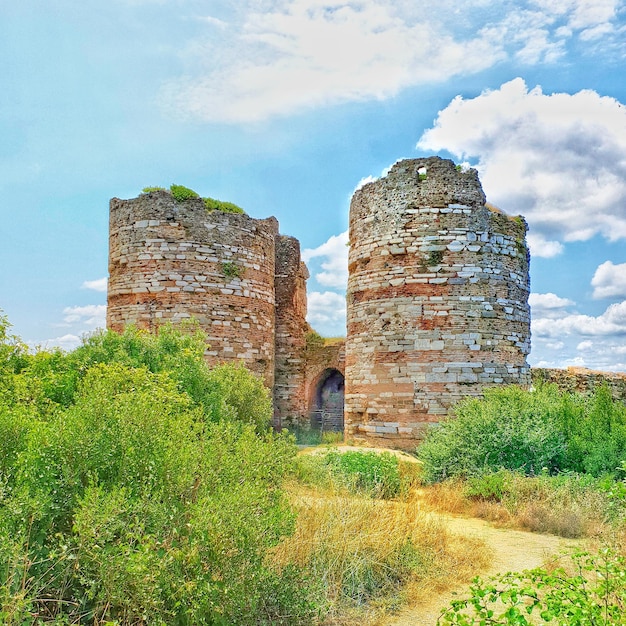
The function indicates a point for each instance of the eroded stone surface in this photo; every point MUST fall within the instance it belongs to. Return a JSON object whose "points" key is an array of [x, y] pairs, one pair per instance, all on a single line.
{"points": [[437, 299]]}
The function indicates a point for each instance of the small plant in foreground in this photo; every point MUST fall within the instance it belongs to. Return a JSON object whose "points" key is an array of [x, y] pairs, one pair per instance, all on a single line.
{"points": [[592, 590]]}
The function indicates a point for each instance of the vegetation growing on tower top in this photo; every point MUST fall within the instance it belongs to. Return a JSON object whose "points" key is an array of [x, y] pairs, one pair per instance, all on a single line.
{"points": [[181, 193]]}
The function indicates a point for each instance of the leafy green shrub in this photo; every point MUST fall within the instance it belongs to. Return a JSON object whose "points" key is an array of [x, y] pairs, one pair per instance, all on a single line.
{"points": [[489, 487], [530, 432], [180, 193], [219, 205], [511, 428], [128, 505], [369, 473], [595, 593], [151, 189]]}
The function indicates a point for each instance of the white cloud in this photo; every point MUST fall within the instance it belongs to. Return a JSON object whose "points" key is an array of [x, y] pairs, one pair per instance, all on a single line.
{"points": [[91, 315], [327, 313], [559, 159], [609, 281], [611, 323], [277, 57], [547, 304], [100, 284], [66, 342], [335, 267]]}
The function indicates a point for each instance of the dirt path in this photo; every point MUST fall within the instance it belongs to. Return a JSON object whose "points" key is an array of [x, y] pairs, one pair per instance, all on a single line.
{"points": [[514, 550]]}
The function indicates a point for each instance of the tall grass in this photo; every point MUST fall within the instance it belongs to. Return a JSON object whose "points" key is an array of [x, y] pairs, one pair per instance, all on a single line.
{"points": [[368, 555], [568, 505]]}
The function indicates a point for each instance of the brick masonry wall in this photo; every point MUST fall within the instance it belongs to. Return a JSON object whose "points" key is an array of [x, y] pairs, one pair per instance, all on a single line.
{"points": [[291, 328], [172, 260], [437, 299]]}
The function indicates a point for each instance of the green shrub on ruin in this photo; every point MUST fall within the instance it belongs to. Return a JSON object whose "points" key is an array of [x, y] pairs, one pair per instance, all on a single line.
{"points": [[151, 189], [219, 205], [181, 193]]}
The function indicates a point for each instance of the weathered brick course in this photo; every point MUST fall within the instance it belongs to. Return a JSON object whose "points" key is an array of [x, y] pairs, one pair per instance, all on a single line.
{"points": [[437, 299]]}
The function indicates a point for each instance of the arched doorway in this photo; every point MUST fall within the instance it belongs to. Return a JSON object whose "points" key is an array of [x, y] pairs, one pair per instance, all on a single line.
{"points": [[327, 402]]}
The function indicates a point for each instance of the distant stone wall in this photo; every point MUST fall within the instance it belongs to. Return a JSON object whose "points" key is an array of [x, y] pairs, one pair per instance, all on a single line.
{"points": [[172, 260], [437, 299], [582, 380]]}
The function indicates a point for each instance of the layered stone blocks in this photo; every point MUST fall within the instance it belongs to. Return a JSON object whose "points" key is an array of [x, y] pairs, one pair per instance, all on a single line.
{"points": [[171, 260], [437, 299]]}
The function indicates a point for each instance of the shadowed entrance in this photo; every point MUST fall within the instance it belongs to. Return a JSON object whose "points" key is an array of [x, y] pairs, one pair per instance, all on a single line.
{"points": [[327, 402]]}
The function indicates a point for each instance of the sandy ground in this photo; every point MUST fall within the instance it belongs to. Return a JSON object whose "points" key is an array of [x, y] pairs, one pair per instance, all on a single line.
{"points": [[514, 550]]}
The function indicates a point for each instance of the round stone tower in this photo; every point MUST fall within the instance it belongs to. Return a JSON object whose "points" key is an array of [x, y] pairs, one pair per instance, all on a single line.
{"points": [[437, 299], [171, 260]]}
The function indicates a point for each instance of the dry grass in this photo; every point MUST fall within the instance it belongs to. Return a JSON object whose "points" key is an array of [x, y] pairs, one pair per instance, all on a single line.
{"points": [[531, 504], [370, 556]]}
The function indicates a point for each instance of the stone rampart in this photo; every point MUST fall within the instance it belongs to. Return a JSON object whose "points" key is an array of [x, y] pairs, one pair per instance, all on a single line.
{"points": [[582, 380], [437, 299]]}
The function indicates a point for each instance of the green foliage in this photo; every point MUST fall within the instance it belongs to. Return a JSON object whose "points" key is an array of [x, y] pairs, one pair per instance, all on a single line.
{"points": [[314, 341], [595, 593], [511, 428], [368, 473], [234, 394], [128, 505], [530, 432], [151, 189], [218, 205], [139, 486], [232, 270], [180, 193]]}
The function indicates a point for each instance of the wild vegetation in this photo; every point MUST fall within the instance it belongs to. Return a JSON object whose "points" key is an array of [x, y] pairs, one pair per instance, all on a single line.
{"points": [[140, 486], [550, 462], [181, 193]]}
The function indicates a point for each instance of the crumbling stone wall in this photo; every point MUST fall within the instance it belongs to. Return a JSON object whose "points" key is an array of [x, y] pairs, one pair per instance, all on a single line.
{"points": [[582, 380], [290, 404], [437, 299], [172, 260]]}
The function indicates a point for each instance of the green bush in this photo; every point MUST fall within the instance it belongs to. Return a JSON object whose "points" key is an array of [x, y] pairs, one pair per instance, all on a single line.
{"points": [[511, 428], [180, 193], [139, 486], [370, 473], [151, 189], [595, 593], [219, 205], [129, 506], [530, 432]]}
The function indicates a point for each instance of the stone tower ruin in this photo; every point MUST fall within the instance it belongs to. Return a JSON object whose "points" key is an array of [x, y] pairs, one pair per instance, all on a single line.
{"points": [[437, 299], [237, 276]]}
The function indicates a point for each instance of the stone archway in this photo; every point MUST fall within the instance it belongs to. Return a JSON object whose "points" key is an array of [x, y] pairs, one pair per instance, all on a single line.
{"points": [[327, 401]]}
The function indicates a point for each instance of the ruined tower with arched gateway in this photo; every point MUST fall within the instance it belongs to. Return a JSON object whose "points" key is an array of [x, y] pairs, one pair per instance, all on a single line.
{"points": [[437, 298]]}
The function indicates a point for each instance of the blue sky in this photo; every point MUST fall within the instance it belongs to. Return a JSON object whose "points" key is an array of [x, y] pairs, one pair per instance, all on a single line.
{"points": [[284, 107]]}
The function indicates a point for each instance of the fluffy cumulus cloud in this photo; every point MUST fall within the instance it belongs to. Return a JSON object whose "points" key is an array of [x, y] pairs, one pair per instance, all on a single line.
{"points": [[563, 337], [327, 313], [334, 253], [558, 159], [275, 57], [91, 316], [99, 284], [609, 281]]}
